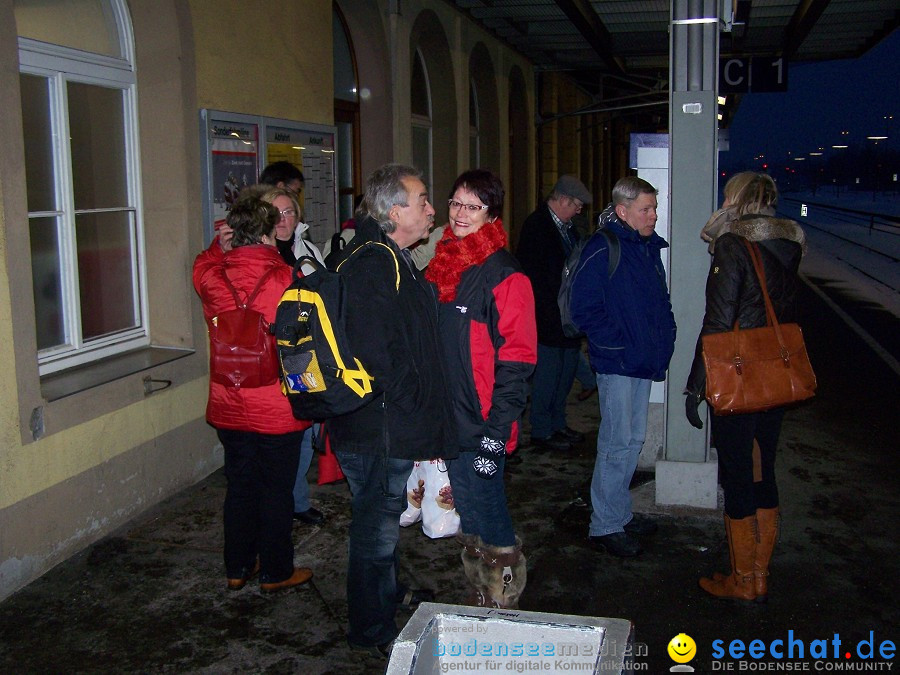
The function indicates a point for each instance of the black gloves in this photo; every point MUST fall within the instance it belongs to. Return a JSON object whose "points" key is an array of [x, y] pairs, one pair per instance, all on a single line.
{"points": [[691, 403], [487, 461]]}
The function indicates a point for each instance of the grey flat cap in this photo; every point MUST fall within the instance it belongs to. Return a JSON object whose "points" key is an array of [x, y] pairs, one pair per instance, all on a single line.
{"points": [[570, 186]]}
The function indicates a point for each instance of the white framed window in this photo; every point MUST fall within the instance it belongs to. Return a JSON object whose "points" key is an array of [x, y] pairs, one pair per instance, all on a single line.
{"points": [[420, 108], [79, 114]]}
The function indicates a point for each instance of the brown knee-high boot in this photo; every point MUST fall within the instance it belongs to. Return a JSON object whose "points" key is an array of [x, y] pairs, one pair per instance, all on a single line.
{"points": [[767, 527], [739, 585], [497, 573], [471, 560]]}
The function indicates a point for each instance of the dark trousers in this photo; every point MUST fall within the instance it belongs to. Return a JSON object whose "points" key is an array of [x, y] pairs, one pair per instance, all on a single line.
{"points": [[378, 494], [481, 502], [733, 437], [259, 504]]}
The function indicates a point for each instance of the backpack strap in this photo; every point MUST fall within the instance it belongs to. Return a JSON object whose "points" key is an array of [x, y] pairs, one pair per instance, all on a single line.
{"points": [[615, 250], [256, 289], [357, 251]]}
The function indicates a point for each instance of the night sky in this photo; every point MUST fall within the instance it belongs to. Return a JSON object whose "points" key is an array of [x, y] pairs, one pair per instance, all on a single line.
{"points": [[823, 99]]}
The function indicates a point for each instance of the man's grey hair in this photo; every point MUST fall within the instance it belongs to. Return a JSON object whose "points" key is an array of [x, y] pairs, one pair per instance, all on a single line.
{"points": [[384, 190], [627, 189]]}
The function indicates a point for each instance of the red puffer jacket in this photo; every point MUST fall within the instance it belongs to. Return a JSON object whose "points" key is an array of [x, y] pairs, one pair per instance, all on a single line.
{"points": [[263, 410]]}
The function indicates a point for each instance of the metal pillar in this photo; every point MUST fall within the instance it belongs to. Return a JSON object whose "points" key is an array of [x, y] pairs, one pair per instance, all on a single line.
{"points": [[686, 476]]}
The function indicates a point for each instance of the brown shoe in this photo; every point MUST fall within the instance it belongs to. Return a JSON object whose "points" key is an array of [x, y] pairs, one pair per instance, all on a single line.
{"points": [[240, 582], [300, 576]]}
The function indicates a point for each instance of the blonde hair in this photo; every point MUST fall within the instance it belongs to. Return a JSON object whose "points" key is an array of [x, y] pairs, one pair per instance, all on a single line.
{"points": [[751, 192], [270, 195]]}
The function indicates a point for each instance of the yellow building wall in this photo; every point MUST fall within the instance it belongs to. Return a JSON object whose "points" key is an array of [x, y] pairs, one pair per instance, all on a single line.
{"points": [[275, 61]]}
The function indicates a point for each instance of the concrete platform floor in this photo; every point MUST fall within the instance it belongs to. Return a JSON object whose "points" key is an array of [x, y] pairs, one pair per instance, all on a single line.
{"points": [[151, 598]]}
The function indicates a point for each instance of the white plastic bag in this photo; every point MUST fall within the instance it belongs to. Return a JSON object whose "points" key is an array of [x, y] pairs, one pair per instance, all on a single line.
{"points": [[431, 500]]}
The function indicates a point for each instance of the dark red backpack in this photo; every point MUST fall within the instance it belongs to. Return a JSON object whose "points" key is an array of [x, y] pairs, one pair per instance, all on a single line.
{"points": [[242, 350]]}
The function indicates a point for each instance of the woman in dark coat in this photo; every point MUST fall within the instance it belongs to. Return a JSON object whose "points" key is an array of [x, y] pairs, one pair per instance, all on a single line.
{"points": [[487, 325], [733, 293]]}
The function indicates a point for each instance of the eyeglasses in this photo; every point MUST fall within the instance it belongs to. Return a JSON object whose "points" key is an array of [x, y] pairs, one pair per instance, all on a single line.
{"points": [[288, 213], [472, 208], [577, 204]]}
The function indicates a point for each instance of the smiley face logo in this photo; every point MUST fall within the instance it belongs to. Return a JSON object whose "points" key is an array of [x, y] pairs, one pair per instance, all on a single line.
{"points": [[682, 648]]}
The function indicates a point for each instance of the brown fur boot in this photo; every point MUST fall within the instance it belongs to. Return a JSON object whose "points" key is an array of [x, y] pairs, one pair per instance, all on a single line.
{"points": [[767, 527], [503, 574], [498, 573], [740, 584], [472, 548]]}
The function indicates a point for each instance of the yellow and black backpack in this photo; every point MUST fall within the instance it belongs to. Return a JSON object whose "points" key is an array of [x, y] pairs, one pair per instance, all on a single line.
{"points": [[320, 374]]}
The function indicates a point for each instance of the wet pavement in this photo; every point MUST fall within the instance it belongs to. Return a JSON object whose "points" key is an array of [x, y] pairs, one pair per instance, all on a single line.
{"points": [[151, 598]]}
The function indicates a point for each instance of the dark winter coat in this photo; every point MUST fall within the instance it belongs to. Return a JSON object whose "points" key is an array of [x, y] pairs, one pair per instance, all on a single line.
{"points": [[394, 334], [733, 292], [628, 318], [543, 256], [265, 409], [490, 344]]}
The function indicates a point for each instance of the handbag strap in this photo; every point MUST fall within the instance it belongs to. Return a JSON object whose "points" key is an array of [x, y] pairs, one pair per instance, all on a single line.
{"points": [[771, 319]]}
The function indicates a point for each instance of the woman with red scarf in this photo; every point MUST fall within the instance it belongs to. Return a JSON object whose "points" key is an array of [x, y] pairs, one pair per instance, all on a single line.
{"points": [[489, 338]]}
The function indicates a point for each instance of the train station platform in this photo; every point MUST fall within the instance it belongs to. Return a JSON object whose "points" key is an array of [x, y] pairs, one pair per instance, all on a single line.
{"points": [[151, 597]]}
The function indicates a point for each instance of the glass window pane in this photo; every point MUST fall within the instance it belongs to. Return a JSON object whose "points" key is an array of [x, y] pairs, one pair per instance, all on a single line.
{"points": [[96, 130], [420, 105], [344, 76], [105, 277], [421, 140], [88, 25], [36, 123], [48, 304]]}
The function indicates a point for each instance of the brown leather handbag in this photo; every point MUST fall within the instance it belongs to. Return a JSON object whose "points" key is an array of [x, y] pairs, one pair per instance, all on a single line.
{"points": [[757, 369]]}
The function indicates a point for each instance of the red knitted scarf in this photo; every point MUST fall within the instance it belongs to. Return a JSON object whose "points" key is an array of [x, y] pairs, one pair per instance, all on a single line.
{"points": [[454, 256]]}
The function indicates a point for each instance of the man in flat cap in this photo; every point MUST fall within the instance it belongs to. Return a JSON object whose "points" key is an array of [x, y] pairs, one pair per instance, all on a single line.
{"points": [[548, 236]]}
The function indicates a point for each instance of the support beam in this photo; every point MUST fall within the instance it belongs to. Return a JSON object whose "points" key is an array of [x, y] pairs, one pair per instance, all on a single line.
{"points": [[804, 20], [585, 19], [686, 477]]}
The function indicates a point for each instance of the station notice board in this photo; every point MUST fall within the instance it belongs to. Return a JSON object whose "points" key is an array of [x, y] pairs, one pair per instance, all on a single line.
{"points": [[236, 147]]}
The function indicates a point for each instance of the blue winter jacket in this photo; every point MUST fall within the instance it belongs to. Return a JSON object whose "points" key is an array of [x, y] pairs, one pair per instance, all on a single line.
{"points": [[628, 318]]}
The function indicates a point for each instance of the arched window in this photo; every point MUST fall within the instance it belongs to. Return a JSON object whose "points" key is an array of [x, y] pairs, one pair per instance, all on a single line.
{"points": [[474, 142], [78, 90], [420, 107], [346, 114]]}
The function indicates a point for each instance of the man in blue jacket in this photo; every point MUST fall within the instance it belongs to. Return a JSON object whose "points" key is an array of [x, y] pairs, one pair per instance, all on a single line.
{"points": [[628, 320]]}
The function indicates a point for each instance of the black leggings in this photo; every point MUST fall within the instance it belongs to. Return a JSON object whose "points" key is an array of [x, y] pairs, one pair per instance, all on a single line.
{"points": [[733, 437]]}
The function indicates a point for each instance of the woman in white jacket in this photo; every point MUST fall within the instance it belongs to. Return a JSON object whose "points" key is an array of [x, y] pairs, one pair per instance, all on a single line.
{"points": [[292, 246]]}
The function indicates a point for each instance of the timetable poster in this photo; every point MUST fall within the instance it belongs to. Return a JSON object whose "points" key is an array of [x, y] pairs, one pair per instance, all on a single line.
{"points": [[313, 153], [234, 150]]}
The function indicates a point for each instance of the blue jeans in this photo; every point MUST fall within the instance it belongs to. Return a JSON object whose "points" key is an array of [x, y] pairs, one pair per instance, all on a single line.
{"points": [[481, 502], [259, 469], [378, 494], [624, 402], [301, 486], [553, 377]]}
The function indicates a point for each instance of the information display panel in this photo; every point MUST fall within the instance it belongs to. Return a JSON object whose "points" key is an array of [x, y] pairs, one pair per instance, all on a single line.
{"points": [[236, 147]]}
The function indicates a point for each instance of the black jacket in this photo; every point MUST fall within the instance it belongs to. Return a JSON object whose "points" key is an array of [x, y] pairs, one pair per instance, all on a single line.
{"points": [[543, 257], [490, 346], [733, 292], [394, 333]]}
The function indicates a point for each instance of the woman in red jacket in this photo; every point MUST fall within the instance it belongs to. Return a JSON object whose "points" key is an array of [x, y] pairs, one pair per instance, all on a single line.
{"points": [[255, 424], [487, 323]]}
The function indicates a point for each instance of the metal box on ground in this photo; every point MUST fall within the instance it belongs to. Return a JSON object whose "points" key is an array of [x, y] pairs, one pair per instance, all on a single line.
{"points": [[456, 639]]}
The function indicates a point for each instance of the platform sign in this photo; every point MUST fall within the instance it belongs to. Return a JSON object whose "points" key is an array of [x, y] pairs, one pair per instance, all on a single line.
{"points": [[753, 74]]}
